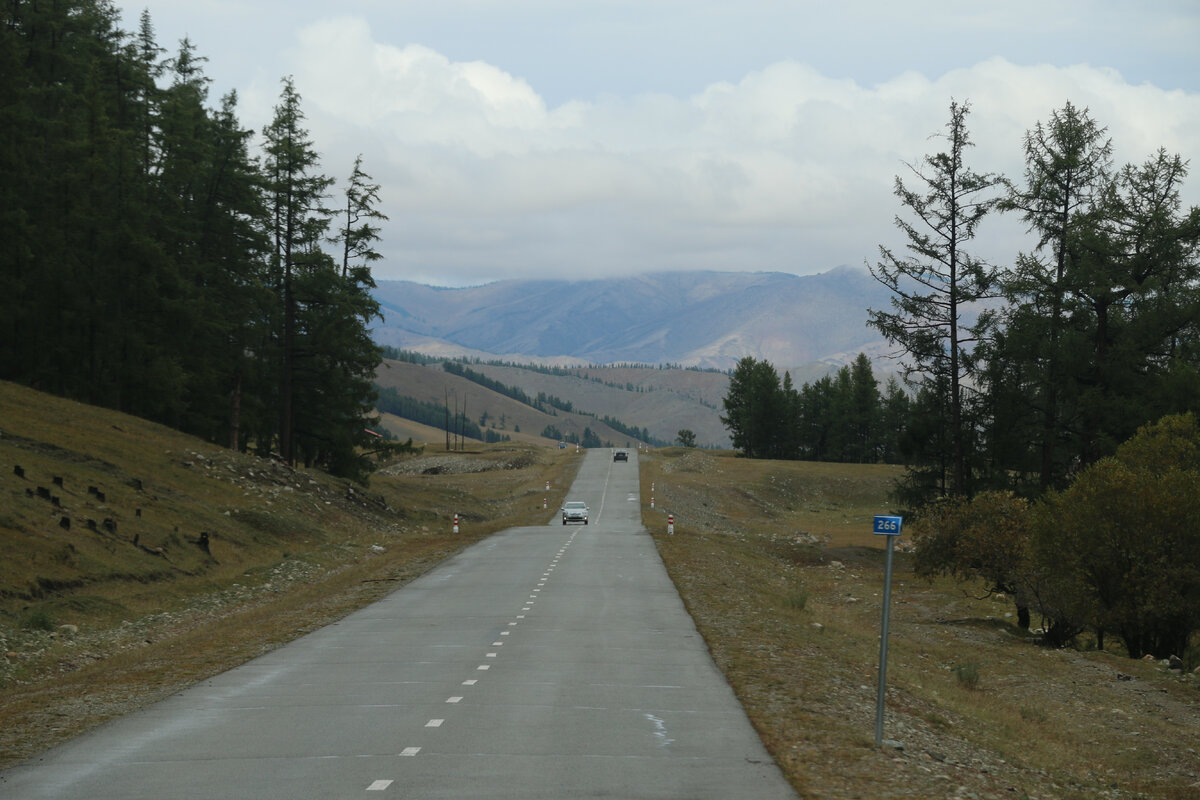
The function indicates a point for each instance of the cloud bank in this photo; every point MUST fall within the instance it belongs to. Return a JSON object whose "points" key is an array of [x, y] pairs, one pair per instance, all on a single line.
{"points": [[783, 169]]}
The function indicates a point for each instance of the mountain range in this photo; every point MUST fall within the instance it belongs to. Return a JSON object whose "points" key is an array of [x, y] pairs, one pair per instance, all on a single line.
{"points": [[692, 319]]}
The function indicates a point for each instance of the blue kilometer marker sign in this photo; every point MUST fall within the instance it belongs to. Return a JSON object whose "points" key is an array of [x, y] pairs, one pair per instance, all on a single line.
{"points": [[888, 526]]}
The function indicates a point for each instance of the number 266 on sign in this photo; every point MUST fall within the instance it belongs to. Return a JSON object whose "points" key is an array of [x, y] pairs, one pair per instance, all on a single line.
{"points": [[888, 526]]}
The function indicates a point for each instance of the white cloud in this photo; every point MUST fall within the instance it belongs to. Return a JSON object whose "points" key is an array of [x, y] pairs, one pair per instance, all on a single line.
{"points": [[783, 168]]}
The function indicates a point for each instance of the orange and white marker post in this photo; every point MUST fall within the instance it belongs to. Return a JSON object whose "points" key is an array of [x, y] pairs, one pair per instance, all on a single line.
{"points": [[671, 524], [456, 523]]}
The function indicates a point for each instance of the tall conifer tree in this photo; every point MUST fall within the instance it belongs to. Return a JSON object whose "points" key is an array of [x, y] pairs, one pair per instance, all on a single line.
{"points": [[933, 286], [1067, 168], [295, 194]]}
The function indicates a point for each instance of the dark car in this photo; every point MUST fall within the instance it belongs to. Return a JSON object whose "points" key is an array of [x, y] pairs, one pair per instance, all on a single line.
{"points": [[621, 455]]}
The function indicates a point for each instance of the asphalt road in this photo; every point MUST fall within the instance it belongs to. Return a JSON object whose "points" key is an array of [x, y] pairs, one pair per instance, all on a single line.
{"points": [[544, 662]]}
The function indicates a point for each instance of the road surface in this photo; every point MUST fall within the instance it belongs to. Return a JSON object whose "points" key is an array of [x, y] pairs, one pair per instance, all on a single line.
{"points": [[544, 662]]}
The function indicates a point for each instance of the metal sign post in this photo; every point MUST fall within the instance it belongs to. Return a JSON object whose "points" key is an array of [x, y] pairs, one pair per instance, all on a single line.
{"points": [[890, 527]]}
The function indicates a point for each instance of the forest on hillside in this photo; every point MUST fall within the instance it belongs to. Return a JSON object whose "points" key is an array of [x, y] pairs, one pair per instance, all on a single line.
{"points": [[154, 259]]}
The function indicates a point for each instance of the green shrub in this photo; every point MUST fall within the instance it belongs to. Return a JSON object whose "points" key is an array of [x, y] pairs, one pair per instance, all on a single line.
{"points": [[37, 619]]}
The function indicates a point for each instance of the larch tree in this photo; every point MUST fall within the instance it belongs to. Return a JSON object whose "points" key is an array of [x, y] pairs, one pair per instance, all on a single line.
{"points": [[936, 282], [295, 190], [1067, 169], [358, 229]]}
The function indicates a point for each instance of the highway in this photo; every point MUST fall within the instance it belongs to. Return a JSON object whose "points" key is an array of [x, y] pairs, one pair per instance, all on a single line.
{"points": [[543, 662]]}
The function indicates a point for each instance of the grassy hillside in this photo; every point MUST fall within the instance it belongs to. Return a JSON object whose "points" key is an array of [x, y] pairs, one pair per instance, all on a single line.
{"points": [[777, 564], [135, 597], [431, 384], [664, 401]]}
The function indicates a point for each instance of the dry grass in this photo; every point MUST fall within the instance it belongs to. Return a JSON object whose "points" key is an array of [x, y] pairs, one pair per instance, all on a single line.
{"points": [[289, 551], [774, 560], [980, 709]]}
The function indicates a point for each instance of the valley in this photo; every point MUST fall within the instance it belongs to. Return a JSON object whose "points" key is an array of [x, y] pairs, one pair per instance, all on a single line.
{"points": [[774, 560]]}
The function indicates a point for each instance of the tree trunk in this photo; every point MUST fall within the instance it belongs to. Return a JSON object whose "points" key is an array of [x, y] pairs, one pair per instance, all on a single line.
{"points": [[235, 413], [1023, 617]]}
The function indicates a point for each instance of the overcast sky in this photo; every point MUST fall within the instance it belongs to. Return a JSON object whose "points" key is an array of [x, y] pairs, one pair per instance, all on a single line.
{"points": [[588, 138]]}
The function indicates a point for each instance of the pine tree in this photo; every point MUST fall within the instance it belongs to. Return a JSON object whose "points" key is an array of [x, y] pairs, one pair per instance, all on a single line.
{"points": [[295, 193], [357, 234], [1067, 167], [754, 409], [934, 285]]}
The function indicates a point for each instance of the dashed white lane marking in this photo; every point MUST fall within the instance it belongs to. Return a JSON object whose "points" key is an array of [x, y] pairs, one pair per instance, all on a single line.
{"points": [[382, 785]]}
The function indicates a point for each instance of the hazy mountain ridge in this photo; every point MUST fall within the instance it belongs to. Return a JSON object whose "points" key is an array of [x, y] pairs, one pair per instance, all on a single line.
{"points": [[706, 319]]}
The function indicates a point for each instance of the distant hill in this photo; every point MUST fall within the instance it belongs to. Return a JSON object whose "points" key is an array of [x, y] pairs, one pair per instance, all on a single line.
{"points": [[701, 319], [660, 401]]}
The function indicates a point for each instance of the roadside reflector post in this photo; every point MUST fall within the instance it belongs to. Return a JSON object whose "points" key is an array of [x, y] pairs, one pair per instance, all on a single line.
{"points": [[544, 503], [888, 526], [671, 524], [456, 523], [547, 486]]}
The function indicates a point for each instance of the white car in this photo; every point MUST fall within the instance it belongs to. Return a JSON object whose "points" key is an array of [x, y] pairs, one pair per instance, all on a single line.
{"points": [[575, 511]]}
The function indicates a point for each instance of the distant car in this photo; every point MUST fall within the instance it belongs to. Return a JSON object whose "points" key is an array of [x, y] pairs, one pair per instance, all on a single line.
{"points": [[575, 511], [621, 455]]}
